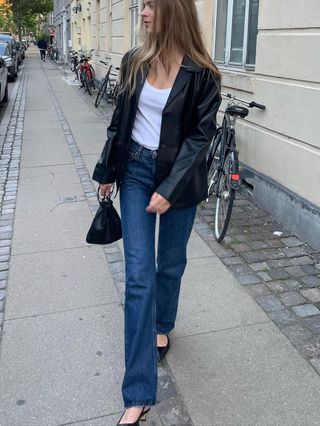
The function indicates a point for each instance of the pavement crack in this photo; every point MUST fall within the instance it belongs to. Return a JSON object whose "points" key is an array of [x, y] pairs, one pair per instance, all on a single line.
{"points": [[45, 314], [53, 177], [53, 208]]}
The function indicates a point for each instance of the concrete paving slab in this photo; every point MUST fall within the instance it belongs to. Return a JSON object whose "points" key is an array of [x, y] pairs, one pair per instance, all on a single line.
{"points": [[45, 187], [35, 105], [50, 213], [211, 299], [33, 134], [83, 118], [46, 151], [91, 161], [64, 227], [91, 141], [245, 376], [57, 281], [42, 126], [40, 117], [61, 368], [197, 247]]}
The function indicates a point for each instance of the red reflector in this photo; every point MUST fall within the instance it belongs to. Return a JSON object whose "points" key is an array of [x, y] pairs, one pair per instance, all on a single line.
{"points": [[235, 176]]}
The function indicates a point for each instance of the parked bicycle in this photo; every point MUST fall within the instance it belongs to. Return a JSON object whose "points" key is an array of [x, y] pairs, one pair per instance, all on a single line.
{"points": [[73, 60], [109, 87], [53, 53], [85, 73], [223, 165]]}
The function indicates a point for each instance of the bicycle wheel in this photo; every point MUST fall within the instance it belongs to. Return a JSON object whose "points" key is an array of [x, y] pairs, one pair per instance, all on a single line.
{"points": [[225, 196], [213, 161], [91, 76], [79, 77], [101, 92], [114, 94], [87, 84]]}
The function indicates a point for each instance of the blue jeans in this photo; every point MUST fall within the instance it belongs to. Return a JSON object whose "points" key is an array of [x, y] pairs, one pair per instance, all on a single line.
{"points": [[152, 286]]}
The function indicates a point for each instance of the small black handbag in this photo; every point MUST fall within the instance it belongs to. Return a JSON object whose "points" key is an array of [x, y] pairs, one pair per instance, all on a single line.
{"points": [[106, 224]]}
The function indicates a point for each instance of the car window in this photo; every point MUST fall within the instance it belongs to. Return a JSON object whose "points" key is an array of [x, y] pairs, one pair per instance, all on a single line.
{"points": [[3, 49]]}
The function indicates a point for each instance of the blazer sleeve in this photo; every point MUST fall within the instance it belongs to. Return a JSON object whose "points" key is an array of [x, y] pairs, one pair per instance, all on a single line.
{"points": [[104, 171], [194, 148]]}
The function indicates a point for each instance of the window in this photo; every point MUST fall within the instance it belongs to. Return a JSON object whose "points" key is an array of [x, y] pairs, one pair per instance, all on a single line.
{"points": [[236, 32], [98, 24], [133, 21]]}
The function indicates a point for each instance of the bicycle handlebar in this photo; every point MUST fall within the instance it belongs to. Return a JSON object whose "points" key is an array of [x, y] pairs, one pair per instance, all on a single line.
{"points": [[251, 104], [255, 105]]}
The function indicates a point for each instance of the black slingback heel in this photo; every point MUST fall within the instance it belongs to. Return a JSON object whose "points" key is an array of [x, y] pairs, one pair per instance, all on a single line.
{"points": [[142, 417]]}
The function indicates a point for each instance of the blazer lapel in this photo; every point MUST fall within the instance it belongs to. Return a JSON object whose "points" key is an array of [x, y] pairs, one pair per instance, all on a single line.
{"points": [[187, 68]]}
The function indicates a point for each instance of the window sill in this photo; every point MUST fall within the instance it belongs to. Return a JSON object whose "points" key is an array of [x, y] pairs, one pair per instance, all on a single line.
{"points": [[238, 78]]}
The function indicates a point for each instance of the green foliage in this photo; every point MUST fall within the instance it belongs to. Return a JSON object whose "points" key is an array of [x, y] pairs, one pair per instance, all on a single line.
{"points": [[25, 12], [7, 22], [30, 22], [34, 7]]}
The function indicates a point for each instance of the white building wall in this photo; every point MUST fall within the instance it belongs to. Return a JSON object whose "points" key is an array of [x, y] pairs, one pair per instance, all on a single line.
{"points": [[120, 30], [283, 142], [100, 35]]}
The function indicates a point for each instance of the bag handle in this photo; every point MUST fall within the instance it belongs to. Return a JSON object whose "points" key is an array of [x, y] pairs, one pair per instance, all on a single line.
{"points": [[102, 199]]}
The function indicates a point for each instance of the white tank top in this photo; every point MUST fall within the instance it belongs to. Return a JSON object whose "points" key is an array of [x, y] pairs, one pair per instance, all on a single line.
{"points": [[147, 125]]}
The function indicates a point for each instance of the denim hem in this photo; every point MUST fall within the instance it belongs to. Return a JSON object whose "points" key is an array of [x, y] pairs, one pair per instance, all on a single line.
{"points": [[139, 404], [164, 332]]}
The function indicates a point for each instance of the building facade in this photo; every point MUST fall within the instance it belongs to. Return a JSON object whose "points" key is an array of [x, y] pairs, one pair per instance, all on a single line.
{"points": [[266, 51], [62, 25]]}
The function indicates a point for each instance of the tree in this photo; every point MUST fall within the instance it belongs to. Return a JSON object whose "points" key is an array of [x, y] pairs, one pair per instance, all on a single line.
{"points": [[35, 7], [7, 22], [25, 11]]}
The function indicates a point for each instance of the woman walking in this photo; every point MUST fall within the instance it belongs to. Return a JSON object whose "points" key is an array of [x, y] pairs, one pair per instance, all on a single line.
{"points": [[156, 153]]}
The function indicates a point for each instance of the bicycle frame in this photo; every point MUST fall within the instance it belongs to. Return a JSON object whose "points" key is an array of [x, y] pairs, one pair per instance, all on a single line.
{"points": [[228, 144], [86, 67]]}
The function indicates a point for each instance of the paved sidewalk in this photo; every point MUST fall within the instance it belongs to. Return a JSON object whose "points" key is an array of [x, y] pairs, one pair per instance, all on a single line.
{"points": [[61, 355]]}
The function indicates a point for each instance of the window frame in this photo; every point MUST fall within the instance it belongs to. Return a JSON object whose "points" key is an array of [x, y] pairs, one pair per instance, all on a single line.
{"points": [[227, 62], [134, 12]]}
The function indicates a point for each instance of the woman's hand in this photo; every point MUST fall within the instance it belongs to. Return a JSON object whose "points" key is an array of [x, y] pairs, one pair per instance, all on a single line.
{"points": [[158, 204], [105, 189]]}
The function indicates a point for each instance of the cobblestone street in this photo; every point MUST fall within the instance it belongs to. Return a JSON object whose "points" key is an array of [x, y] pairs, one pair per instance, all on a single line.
{"points": [[246, 348], [278, 270]]}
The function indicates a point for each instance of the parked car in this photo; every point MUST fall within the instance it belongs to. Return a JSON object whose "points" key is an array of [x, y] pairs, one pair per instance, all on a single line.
{"points": [[25, 43], [7, 57], [12, 62], [20, 52], [3, 81]]}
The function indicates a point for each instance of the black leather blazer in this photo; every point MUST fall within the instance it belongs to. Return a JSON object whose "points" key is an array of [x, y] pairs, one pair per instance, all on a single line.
{"points": [[188, 126]]}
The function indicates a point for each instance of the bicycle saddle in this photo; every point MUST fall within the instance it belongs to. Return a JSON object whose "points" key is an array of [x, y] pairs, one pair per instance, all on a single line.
{"points": [[237, 110]]}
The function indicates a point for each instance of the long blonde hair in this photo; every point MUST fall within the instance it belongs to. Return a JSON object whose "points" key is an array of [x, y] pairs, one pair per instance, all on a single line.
{"points": [[179, 31]]}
